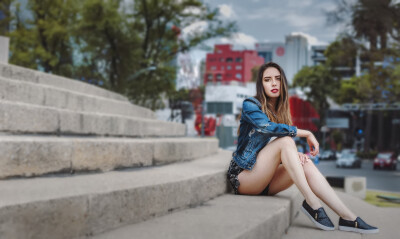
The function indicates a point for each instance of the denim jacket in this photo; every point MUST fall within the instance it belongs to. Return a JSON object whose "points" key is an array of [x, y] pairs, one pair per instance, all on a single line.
{"points": [[256, 129]]}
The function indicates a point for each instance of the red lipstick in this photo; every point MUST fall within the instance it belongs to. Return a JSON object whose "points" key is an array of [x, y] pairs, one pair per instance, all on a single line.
{"points": [[274, 90]]}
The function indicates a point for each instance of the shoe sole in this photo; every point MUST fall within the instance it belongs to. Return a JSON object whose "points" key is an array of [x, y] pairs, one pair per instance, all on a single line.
{"points": [[319, 225], [359, 230]]}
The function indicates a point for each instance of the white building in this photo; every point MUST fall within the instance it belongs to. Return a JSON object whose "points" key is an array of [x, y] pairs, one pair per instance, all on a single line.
{"points": [[273, 51], [297, 55]]}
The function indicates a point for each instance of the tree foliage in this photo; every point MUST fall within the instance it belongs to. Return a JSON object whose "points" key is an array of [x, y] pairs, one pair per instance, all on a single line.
{"points": [[318, 83], [110, 41]]}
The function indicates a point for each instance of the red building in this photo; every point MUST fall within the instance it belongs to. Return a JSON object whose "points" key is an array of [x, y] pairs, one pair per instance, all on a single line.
{"points": [[226, 65]]}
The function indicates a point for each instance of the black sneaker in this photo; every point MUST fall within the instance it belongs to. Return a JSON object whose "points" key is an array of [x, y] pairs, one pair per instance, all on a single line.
{"points": [[356, 226], [318, 217]]}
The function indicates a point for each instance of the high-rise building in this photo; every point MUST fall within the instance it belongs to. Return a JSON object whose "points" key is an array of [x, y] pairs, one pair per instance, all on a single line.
{"points": [[225, 65], [317, 54], [297, 55], [272, 51]]}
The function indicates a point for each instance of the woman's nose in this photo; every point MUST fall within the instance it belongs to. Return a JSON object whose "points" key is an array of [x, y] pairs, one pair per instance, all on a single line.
{"points": [[273, 82]]}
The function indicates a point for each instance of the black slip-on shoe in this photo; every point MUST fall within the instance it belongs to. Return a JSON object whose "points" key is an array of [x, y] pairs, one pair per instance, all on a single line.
{"points": [[356, 226], [318, 217]]}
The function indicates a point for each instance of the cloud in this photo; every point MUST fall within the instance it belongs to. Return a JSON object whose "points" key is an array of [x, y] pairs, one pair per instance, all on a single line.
{"points": [[194, 28], [240, 40], [227, 11], [312, 41]]}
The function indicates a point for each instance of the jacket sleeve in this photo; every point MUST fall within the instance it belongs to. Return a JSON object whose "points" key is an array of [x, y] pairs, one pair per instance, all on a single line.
{"points": [[256, 117]]}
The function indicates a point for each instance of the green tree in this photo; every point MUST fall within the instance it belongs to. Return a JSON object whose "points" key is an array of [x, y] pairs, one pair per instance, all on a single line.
{"points": [[5, 16], [160, 24], [319, 84], [109, 48], [44, 41]]}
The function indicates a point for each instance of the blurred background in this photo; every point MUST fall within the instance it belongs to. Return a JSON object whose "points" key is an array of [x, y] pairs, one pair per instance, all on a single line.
{"points": [[195, 61]]}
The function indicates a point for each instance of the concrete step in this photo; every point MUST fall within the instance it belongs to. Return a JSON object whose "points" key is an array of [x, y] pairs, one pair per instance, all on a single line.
{"points": [[228, 216], [27, 118], [24, 74], [44, 95], [26, 156], [84, 205]]}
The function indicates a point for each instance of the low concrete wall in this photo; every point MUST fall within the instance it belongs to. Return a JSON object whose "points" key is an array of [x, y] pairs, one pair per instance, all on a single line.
{"points": [[4, 49]]}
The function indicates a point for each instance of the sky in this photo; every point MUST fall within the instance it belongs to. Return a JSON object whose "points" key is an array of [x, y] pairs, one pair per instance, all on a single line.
{"points": [[267, 21], [272, 20]]}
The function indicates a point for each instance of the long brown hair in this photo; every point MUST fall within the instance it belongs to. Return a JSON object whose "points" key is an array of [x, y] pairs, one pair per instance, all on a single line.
{"points": [[282, 108]]}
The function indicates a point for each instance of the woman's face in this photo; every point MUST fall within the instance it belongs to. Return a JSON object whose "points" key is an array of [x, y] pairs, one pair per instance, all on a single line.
{"points": [[272, 82]]}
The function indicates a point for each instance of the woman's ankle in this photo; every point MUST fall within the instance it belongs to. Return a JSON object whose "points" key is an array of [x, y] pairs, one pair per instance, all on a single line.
{"points": [[314, 204]]}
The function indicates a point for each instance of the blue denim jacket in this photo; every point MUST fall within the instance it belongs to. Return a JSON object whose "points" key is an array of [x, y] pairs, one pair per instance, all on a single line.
{"points": [[256, 129]]}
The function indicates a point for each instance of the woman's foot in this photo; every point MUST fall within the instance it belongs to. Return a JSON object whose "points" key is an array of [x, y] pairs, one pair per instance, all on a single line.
{"points": [[318, 217], [357, 225]]}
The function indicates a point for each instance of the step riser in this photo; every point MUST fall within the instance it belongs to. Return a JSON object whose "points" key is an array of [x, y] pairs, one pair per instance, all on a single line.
{"points": [[23, 118], [94, 214], [36, 94], [23, 74], [28, 158]]}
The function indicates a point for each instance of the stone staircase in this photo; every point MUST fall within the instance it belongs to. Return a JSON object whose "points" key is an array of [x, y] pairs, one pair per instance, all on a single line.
{"points": [[77, 161]]}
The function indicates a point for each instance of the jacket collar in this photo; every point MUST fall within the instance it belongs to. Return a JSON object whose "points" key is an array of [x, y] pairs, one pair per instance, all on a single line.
{"points": [[255, 101]]}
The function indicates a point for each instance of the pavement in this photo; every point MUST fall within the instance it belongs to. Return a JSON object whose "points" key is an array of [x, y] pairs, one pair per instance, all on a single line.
{"points": [[386, 219]]}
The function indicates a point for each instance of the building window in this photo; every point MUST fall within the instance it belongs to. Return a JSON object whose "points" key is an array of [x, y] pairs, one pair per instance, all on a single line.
{"points": [[209, 77], [239, 76], [221, 59], [229, 67], [219, 77], [222, 67], [211, 59], [219, 107], [238, 59], [213, 67], [238, 67], [229, 59]]}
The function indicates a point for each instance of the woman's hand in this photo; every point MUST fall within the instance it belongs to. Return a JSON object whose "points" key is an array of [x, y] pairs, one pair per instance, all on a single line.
{"points": [[303, 158], [313, 143]]}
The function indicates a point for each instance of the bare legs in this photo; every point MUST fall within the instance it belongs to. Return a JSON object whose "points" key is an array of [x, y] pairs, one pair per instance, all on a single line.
{"points": [[324, 191], [307, 178]]}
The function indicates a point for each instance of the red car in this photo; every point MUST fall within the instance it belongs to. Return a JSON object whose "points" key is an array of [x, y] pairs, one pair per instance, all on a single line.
{"points": [[386, 160]]}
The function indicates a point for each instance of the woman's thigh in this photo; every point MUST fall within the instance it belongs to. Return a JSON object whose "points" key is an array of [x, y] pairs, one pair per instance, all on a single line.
{"points": [[254, 181]]}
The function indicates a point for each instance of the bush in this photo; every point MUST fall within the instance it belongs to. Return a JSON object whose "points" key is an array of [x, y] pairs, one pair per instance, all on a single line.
{"points": [[367, 155]]}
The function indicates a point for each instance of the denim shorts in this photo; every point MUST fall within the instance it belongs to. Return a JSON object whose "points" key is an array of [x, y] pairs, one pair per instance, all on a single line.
{"points": [[232, 175]]}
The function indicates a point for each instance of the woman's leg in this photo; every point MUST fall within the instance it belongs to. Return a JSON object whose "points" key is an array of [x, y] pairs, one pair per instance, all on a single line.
{"points": [[281, 181], [268, 159], [324, 191]]}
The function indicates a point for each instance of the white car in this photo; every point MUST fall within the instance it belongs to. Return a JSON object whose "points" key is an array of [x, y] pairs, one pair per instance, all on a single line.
{"points": [[348, 159]]}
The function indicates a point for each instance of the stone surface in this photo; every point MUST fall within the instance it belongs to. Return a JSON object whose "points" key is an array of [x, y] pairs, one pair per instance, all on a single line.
{"points": [[44, 95], [228, 216], [19, 73], [355, 186], [109, 200], [26, 118], [19, 118], [31, 156]]}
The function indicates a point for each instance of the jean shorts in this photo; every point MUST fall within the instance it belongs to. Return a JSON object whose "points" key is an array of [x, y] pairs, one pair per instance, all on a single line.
{"points": [[232, 175]]}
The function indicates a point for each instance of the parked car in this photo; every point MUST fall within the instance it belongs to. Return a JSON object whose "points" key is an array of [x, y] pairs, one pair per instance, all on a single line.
{"points": [[328, 155], [386, 160], [348, 159]]}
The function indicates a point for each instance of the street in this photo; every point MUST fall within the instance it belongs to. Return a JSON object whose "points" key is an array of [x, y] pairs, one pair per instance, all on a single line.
{"points": [[384, 180]]}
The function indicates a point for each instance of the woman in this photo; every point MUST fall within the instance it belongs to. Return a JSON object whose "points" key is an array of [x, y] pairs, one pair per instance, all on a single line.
{"points": [[266, 160]]}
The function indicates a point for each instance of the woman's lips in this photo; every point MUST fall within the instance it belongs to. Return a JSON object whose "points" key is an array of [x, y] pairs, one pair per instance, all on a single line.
{"points": [[274, 91]]}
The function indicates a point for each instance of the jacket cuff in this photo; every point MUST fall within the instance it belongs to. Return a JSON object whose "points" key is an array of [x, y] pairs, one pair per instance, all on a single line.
{"points": [[292, 131]]}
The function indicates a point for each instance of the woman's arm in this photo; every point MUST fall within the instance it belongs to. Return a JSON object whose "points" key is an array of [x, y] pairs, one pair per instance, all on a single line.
{"points": [[252, 114], [311, 140]]}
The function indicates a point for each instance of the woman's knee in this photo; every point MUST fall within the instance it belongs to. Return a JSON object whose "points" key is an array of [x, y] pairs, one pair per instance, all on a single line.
{"points": [[309, 168], [286, 142]]}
